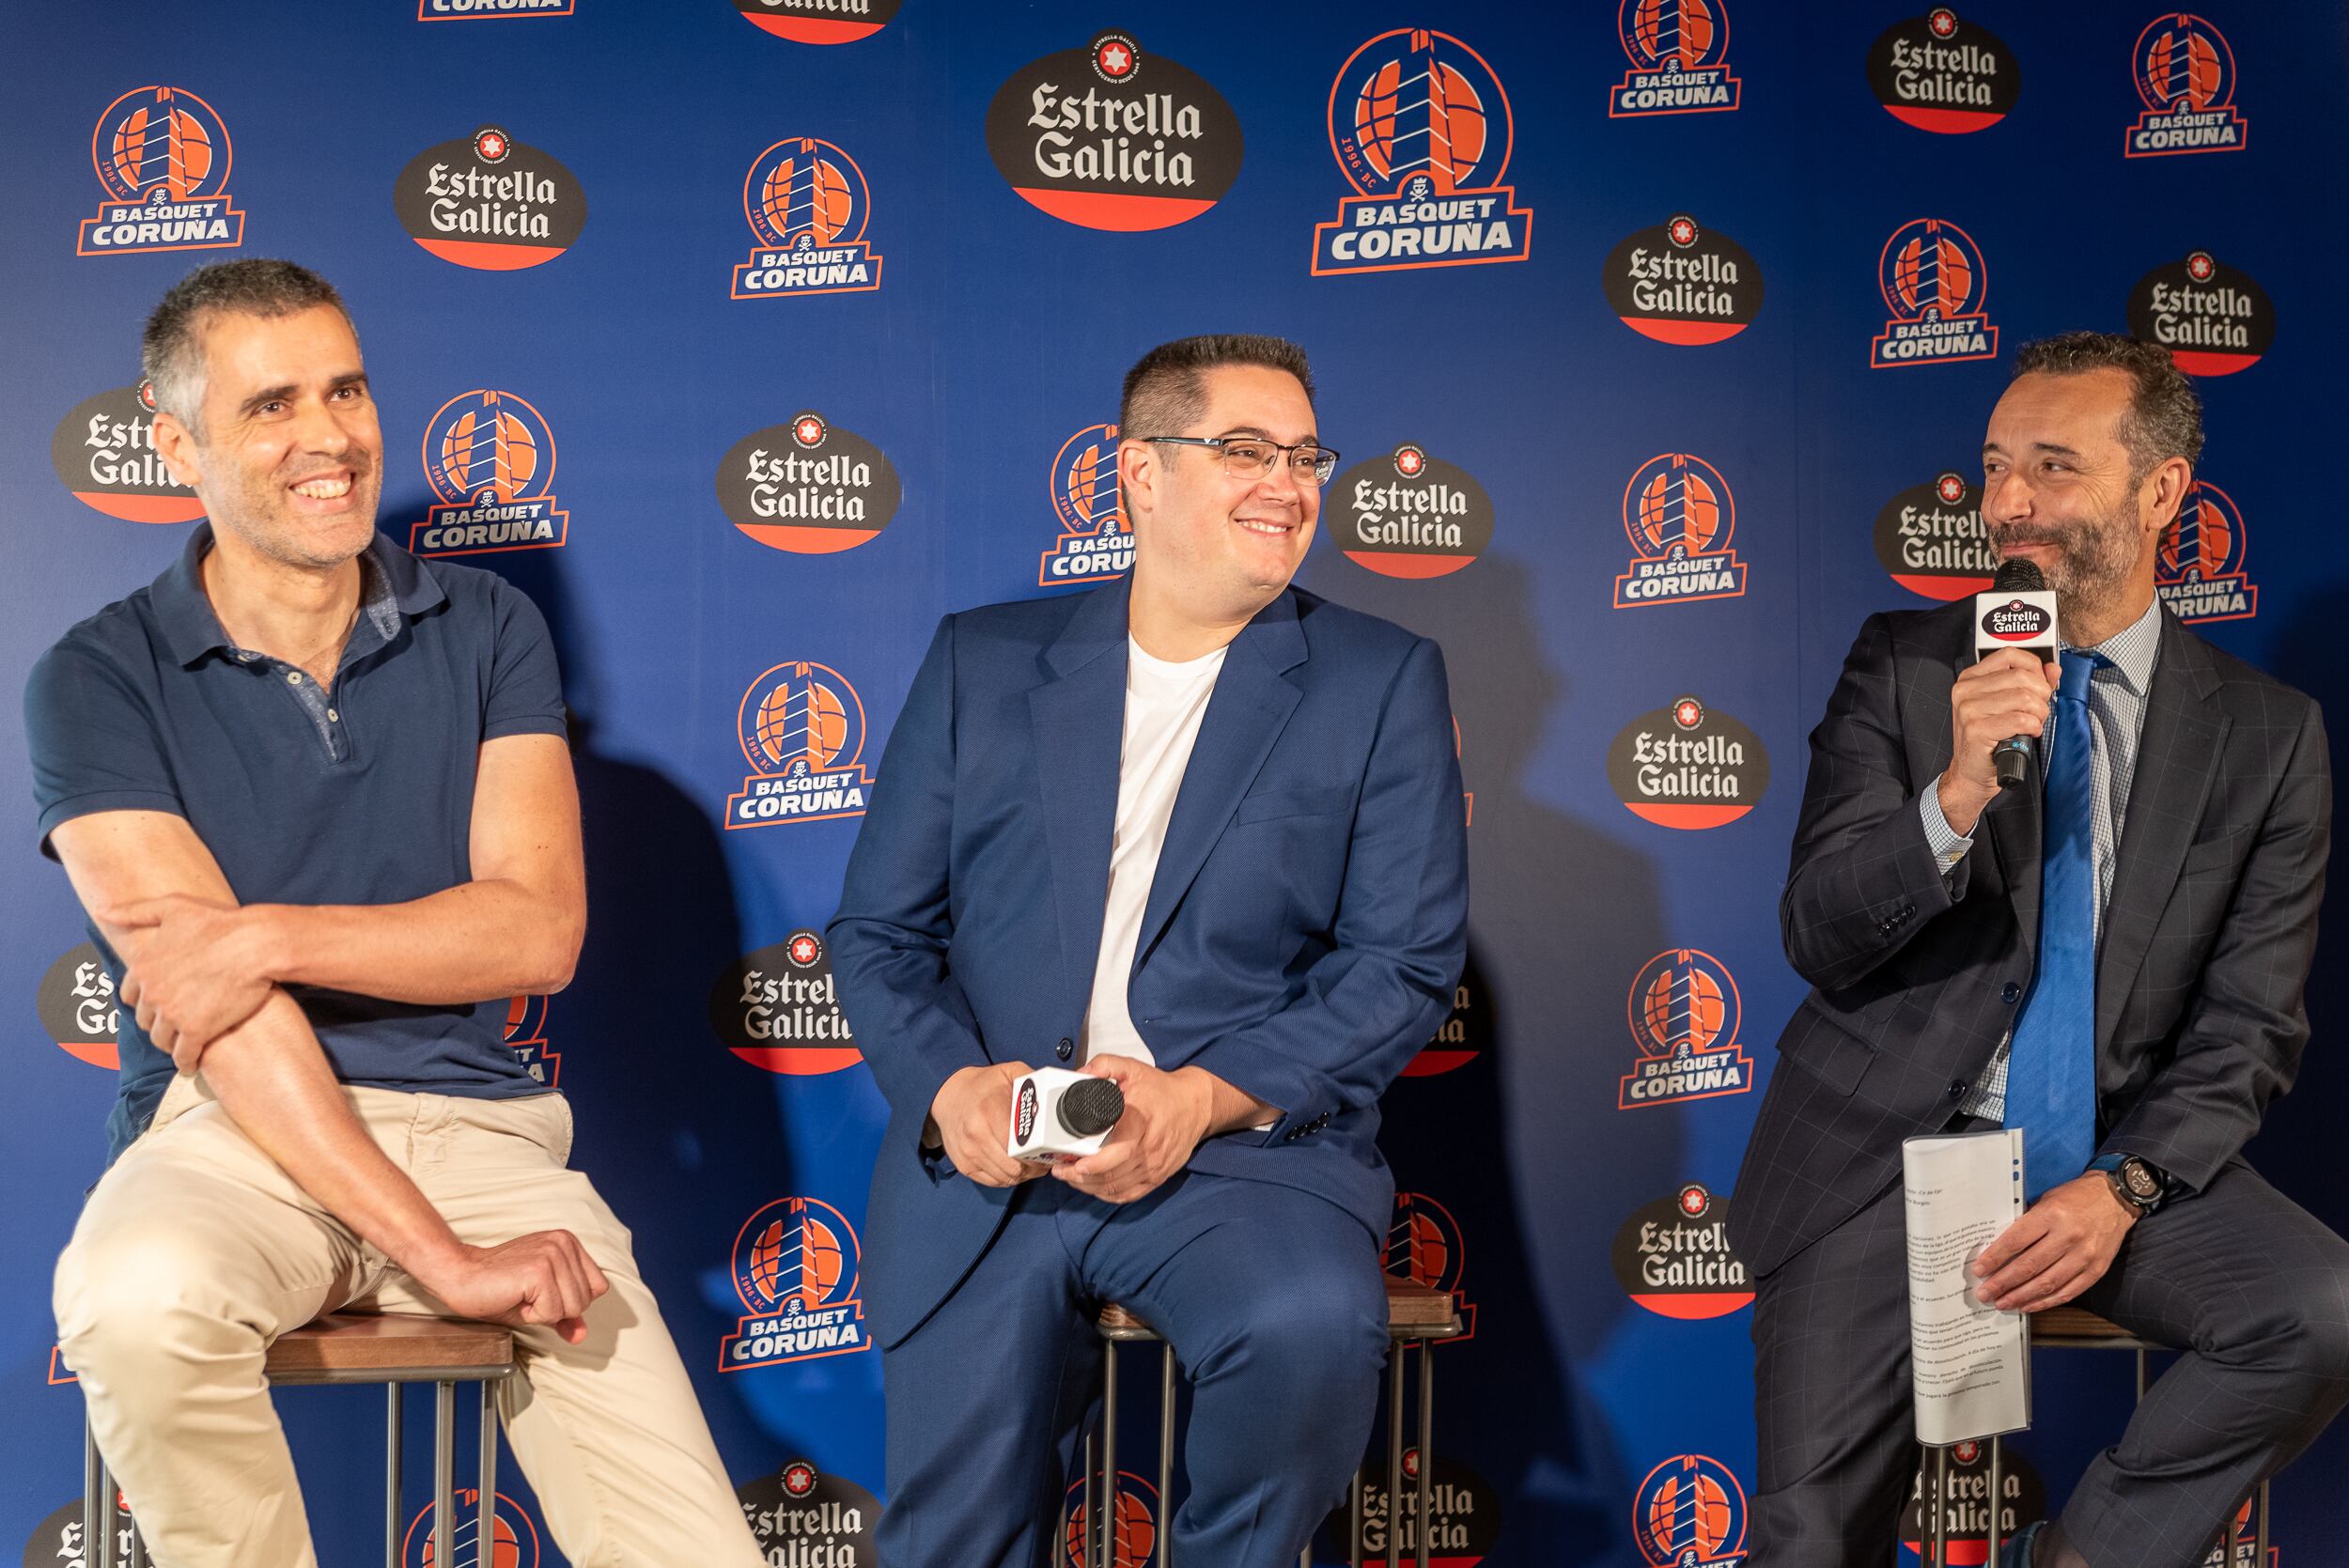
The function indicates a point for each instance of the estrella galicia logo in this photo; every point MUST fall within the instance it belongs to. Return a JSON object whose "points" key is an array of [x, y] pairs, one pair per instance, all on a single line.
{"points": [[1931, 538], [1097, 539], [488, 10], [489, 202], [1422, 129], [779, 1008], [1132, 1521], [802, 727], [1690, 1512], [105, 452], [490, 457], [1411, 514], [2197, 570], [1424, 1248], [803, 1514], [162, 157], [810, 486], [2022, 1497], [516, 1546], [1686, 767], [1679, 52], [1677, 282], [1109, 137], [2214, 320], [526, 1036], [807, 203], [1463, 1035], [56, 1540], [1940, 74], [818, 21], [1685, 1014], [2185, 73], [1463, 1515], [2016, 621], [1680, 517], [1934, 281], [1673, 1256], [795, 1267], [76, 1003]]}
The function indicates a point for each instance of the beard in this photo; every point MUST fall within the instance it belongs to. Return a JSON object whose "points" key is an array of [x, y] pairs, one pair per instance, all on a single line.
{"points": [[2093, 560]]}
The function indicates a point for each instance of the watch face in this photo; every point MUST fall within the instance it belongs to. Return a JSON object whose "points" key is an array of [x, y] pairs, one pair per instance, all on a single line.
{"points": [[2143, 1184]]}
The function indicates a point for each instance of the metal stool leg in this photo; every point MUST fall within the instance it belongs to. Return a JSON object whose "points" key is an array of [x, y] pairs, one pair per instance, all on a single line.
{"points": [[2259, 1529], [391, 1475], [1108, 1455], [444, 1473], [1426, 1441], [98, 1503], [1354, 1521], [1941, 1508], [486, 1522], [1997, 1454], [1166, 1450], [1085, 1509], [1394, 1456]]}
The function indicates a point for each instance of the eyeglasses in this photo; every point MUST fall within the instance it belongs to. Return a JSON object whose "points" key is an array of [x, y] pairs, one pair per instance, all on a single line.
{"points": [[1251, 457]]}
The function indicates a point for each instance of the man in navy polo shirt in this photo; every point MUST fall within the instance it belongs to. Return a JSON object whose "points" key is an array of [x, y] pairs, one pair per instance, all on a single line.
{"points": [[314, 795]]}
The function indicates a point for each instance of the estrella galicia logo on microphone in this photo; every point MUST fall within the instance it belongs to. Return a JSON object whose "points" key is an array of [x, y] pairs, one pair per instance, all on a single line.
{"points": [[807, 204], [163, 157], [802, 728], [490, 457], [526, 1036], [1940, 74], [1110, 137], [1409, 513], [795, 1267], [1686, 767], [810, 486], [76, 1003], [1690, 1512], [489, 201], [1421, 127], [2198, 570], [800, 1515], [516, 1546], [1679, 52], [1673, 1256], [2016, 621], [105, 452], [2185, 73], [2214, 320], [1685, 1013], [1934, 281], [1097, 539], [1680, 517], [1677, 282], [1930, 537], [1424, 1248], [818, 21], [779, 1008], [1132, 1521]]}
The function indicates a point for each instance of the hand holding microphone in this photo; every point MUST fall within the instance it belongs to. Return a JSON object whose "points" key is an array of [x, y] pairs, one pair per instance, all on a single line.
{"points": [[1998, 705]]}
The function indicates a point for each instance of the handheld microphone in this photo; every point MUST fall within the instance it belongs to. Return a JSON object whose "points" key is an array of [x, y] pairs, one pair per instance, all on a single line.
{"points": [[1058, 1115], [2019, 611]]}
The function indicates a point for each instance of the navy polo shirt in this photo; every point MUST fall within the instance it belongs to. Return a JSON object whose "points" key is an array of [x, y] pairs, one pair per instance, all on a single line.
{"points": [[361, 795]]}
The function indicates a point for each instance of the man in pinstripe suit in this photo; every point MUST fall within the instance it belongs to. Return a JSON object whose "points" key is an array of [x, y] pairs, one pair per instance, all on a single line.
{"points": [[1914, 906]]}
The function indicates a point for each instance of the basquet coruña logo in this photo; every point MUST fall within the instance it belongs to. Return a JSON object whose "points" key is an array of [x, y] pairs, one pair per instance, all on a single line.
{"points": [[105, 452], [2197, 570], [1685, 1013], [1424, 1248], [526, 1036], [490, 457], [1679, 515], [1690, 1512], [1107, 136], [56, 1540], [1688, 767], [1463, 1516], [516, 1546], [818, 21], [1679, 52], [1422, 130], [802, 727], [1673, 1256], [1133, 1526], [807, 204], [1463, 1035], [809, 1518], [1097, 539], [1678, 283], [1931, 538], [163, 157], [779, 1008], [2184, 72], [488, 201], [1408, 513], [480, 10], [2214, 320], [76, 1003], [1934, 283], [795, 1267], [2242, 1545], [2022, 1497], [1938, 74], [809, 487]]}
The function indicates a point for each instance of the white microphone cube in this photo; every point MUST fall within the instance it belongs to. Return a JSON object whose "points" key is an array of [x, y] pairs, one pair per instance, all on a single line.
{"points": [[1057, 1115]]}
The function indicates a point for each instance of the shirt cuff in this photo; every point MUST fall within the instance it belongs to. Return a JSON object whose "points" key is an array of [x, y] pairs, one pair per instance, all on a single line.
{"points": [[1948, 846]]}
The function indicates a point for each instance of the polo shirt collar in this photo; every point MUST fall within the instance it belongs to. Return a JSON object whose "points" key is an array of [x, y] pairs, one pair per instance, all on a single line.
{"points": [[191, 630]]}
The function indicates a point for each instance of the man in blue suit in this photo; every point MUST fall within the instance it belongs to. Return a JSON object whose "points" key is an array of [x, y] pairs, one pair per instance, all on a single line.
{"points": [[1200, 832]]}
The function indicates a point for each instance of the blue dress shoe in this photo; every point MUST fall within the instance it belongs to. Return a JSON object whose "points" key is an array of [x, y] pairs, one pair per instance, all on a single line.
{"points": [[2015, 1552]]}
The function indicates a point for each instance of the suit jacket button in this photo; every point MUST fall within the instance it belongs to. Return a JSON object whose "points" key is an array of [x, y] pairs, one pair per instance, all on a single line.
{"points": [[2010, 993], [1957, 1088], [1067, 1048]]}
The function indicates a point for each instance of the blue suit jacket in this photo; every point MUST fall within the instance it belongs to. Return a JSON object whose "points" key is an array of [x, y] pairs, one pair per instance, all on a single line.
{"points": [[1303, 935]]}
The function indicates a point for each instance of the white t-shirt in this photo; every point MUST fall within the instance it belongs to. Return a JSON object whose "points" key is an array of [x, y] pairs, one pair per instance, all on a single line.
{"points": [[1164, 705]]}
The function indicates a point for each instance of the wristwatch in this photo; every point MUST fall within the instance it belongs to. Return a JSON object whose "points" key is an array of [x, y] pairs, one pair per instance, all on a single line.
{"points": [[2134, 1181]]}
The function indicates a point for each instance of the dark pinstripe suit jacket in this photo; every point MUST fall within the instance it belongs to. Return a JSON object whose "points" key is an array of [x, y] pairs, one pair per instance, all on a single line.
{"points": [[2206, 939]]}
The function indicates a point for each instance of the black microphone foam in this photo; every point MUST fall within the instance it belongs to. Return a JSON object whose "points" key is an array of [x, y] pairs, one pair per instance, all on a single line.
{"points": [[1092, 1106], [2018, 577]]}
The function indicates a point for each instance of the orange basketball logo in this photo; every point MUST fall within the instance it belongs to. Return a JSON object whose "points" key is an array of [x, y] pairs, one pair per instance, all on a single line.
{"points": [[1133, 1526], [1097, 540], [1684, 1013], [1932, 281], [1424, 1247], [1680, 517], [2184, 72], [514, 1541], [795, 1269], [490, 458], [162, 157], [1679, 59], [807, 204], [1690, 1512], [2199, 570], [802, 729]]}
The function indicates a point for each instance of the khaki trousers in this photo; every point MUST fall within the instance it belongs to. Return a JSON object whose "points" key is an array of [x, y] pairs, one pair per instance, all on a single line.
{"points": [[196, 1251]]}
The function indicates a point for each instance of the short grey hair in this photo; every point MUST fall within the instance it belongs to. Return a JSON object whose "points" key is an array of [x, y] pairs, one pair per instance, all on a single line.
{"points": [[172, 350], [2164, 418]]}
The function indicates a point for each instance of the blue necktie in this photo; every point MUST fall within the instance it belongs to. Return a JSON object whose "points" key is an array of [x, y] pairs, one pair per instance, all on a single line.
{"points": [[2051, 1067]]}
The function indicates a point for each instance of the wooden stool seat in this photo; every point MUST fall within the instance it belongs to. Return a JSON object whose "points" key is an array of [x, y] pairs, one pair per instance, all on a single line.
{"points": [[2077, 1329], [390, 1347], [1413, 1313]]}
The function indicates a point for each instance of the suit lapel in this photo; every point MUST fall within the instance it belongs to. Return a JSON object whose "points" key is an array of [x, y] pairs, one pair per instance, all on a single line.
{"points": [[1076, 721]]}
